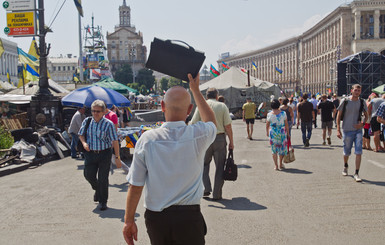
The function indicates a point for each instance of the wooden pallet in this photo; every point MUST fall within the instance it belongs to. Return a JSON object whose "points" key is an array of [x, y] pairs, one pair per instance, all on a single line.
{"points": [[11, 124]]}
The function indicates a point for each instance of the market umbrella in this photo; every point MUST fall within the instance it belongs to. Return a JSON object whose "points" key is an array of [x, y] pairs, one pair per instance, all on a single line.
{"points": [[379, 89], [85, 96], [112, 84]]}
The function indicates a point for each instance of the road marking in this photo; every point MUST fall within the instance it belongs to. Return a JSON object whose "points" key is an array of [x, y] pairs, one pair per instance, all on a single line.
{"points": [[377, 164]]}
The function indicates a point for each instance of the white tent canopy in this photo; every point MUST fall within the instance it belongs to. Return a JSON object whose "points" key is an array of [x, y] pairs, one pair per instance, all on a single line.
{"points": [[233, 85]]}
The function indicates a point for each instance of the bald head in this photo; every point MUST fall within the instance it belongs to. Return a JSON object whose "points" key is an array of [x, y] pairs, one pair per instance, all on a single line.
{"points": [[176, 103]]}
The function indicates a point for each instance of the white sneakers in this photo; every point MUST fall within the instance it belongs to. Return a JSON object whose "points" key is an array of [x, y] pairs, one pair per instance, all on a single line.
{"points": [[357, 178], [345, 172]]}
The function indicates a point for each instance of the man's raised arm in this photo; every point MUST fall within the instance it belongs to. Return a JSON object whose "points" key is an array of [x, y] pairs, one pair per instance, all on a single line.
{"points": [[206, 113]]}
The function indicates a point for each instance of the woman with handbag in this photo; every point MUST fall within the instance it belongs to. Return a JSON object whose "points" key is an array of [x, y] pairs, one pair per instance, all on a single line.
{"points": [[277, 129]]}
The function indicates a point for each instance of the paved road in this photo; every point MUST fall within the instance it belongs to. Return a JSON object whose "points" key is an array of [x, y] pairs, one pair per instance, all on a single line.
{"points": [[308, 203]]}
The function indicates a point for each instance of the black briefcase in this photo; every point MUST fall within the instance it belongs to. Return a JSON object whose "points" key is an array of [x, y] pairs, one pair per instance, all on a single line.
{"points": [[231, 169], [173, 59]]}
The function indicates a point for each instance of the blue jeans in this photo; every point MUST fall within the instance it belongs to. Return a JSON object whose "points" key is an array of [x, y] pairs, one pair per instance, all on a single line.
{"points": [[349, 138], [74, 143], [306, 126]]}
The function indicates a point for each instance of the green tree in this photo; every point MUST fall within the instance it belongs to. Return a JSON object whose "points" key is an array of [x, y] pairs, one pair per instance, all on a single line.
{"points": [[177, 82], [6, 139], [143, 89], [145, 77], [164, 84], [133, 85], [124, 74]]}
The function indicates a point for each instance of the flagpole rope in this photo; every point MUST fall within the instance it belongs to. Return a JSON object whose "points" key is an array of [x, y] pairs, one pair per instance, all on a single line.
{"points": [[53, 12], [57, 13]]}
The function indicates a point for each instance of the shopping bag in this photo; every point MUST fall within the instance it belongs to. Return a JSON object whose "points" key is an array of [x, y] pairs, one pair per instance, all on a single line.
{"points": [[289, 157], [231, 169]]}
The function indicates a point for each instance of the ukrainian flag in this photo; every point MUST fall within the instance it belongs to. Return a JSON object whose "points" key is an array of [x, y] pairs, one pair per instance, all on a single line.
{"points": [[32, 75], [278, 70], [254, 65], [78, 4]]}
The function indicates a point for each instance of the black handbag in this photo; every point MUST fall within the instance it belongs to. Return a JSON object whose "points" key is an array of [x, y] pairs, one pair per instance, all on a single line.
{"points": [[231, 169], [173, 59], [80, 147]]}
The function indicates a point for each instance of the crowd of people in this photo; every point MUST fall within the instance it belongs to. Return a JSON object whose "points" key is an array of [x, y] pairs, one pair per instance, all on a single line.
{"points": [[354, 112], [173, 188]]}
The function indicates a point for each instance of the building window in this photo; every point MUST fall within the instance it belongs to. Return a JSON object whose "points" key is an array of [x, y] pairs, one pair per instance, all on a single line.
{"points": [[58, 68], [54, 68], [64, 68]]}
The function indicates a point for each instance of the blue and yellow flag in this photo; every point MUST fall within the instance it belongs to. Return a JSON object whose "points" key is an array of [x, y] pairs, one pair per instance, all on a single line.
{"points": [[254, 65], [27, 58], [278, 70], [78, 4], [1, 48], [32, 75]]}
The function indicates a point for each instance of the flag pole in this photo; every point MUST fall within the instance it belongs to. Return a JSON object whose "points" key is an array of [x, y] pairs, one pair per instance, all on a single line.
{"points": [[81, 75]]}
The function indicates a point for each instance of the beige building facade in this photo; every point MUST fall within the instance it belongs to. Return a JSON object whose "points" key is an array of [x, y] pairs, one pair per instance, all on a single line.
{"points": [[125, 45], [309, 61], [8, 62], [62, 69]]}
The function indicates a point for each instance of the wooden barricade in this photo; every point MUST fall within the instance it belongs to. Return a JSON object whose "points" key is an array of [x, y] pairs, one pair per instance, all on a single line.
{"points": [[11, 124]]}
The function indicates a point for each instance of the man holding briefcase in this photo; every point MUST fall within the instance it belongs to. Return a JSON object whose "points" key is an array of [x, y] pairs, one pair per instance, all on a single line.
{"points": [[218, 148]]}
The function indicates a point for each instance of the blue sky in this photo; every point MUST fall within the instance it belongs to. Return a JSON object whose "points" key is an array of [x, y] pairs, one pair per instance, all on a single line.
{"points": [[212, 26]]}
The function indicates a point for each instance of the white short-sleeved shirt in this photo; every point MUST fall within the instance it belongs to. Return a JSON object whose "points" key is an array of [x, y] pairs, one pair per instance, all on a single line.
{"points": [[168, 162]]}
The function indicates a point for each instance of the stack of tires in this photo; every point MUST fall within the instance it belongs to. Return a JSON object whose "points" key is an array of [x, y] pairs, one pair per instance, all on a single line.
{"points": [[25, 133]]}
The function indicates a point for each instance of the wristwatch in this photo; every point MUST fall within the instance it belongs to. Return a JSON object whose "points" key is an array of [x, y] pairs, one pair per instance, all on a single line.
{"points": [[117, 157]]}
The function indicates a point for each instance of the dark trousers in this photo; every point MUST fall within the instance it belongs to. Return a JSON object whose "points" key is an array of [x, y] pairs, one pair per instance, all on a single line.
{"points": [[306, 126], [217, 150], [74, 144], [176, 225], [96, 171]]}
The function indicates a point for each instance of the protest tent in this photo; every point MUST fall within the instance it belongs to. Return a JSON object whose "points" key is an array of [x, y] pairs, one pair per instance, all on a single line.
{"points": [[233, 85]]}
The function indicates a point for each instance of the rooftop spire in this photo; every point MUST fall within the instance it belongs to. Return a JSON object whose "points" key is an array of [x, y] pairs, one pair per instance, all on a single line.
{"points": [[124, 3]]}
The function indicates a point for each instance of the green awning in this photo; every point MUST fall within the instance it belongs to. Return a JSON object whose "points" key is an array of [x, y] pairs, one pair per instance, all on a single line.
{"points": [[118, 87]]}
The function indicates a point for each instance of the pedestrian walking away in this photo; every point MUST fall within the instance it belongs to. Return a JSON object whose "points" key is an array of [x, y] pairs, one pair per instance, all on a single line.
{"points": [[76, 123], [172, 189], [277, 129], [314, 102], [350, 111], [248, 115], [217, 149], [289, 113], [306, 115], [336, 103], [326, 109], [376, 126], [101, 136]]}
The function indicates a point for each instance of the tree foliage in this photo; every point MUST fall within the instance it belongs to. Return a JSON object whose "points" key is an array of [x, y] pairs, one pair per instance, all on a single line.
{"points": [[124, 74], [145, 77]]}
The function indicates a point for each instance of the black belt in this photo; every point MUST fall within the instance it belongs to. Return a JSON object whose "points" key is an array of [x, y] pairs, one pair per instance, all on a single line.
{"points": [[196, 207], [100, 151], [220, 133]]}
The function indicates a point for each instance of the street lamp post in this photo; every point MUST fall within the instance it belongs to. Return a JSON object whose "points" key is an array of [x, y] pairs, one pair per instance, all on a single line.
{"points": [[133, 55], [45, 109]]}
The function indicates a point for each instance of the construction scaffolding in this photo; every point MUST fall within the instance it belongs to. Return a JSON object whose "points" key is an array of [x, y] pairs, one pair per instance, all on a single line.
{"points": [[365, 68]]}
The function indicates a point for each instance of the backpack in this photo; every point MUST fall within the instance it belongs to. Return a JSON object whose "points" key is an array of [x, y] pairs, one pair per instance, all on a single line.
{"points": [[359, 113]]}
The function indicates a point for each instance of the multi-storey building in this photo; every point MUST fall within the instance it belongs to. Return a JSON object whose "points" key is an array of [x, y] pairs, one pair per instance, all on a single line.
{"points": [[62, 69], [8, 62], [125, 45], [309, 61]]}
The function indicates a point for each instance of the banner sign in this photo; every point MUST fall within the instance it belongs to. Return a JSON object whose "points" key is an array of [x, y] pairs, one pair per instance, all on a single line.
{"points": [[19, 5], [20, 24]]}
